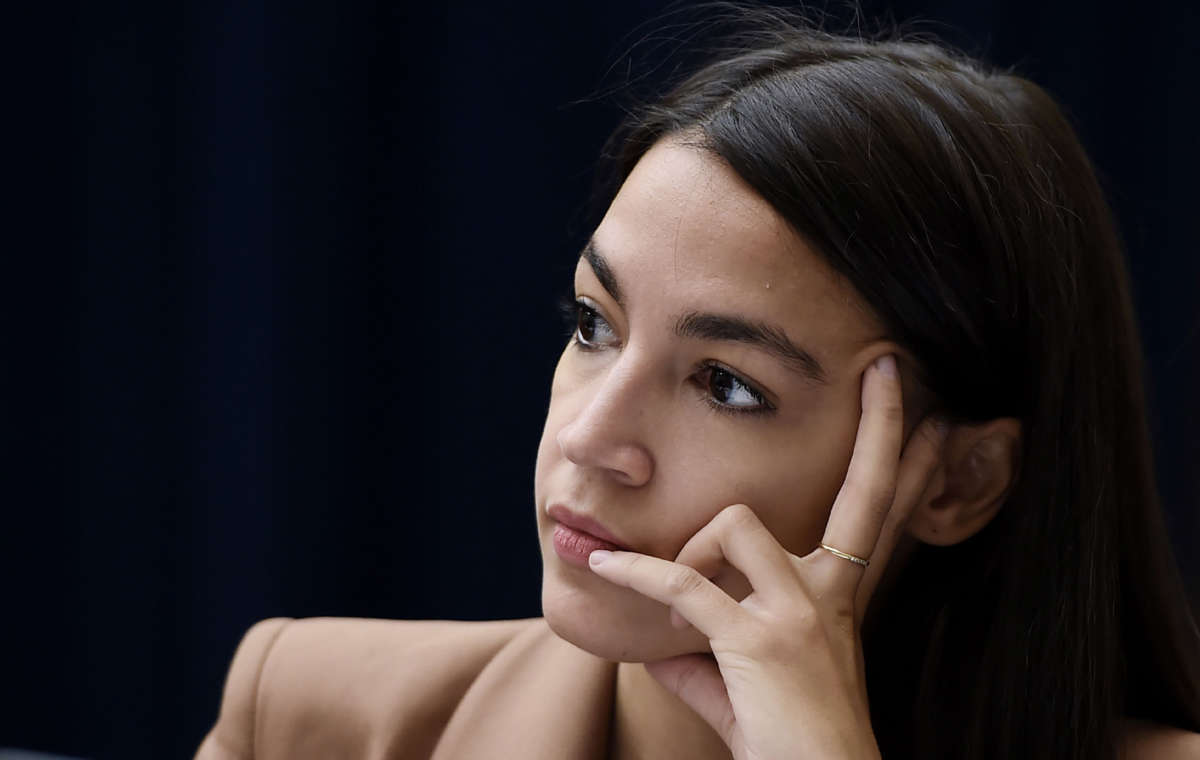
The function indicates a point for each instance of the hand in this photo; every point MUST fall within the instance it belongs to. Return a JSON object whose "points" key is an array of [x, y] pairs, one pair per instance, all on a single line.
{"points": [[786, 676]]}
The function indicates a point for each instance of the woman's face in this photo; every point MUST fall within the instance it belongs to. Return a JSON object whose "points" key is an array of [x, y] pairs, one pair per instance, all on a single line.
{"points": [[718, 360]]}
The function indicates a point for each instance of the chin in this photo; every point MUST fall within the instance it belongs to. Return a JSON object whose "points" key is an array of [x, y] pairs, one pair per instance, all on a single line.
{"points": [[613, 623]]}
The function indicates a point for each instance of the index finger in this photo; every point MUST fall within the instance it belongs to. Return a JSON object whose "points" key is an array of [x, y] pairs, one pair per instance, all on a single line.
{"points": [[918, 462], [865, 498]]}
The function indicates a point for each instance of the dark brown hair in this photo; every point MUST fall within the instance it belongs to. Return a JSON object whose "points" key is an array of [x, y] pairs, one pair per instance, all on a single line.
{"points": [[958, 200]]}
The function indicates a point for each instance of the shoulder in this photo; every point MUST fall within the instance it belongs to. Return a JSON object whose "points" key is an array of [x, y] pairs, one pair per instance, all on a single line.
{"points": [[348, 675], [1155, 741]]}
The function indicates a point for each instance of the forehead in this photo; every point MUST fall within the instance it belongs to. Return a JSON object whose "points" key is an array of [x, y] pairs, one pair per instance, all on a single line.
{"points": [[686, 230]]}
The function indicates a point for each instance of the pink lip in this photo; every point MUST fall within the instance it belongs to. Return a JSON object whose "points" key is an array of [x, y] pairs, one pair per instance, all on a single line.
{"points": [[583, 524], [577, 536]]}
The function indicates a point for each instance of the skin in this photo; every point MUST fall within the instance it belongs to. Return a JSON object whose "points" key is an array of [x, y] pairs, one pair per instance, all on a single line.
{"points": [[749, 633], [632, 441], [629, 438]]}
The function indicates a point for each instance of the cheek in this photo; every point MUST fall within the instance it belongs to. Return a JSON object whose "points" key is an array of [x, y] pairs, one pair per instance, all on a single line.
{"points": [[789, 479], [814, 462]]}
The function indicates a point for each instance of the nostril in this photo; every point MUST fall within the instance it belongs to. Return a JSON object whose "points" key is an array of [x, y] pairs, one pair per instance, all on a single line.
{"points": [[632, 465]]}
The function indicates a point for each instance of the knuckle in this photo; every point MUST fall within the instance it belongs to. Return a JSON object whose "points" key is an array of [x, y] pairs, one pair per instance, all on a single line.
{"points": [[928, 443], [682, 580], [738, 516], [805, 620], [887, 408], [813, 625], [631, 563], [931, 434], [892, 410]]}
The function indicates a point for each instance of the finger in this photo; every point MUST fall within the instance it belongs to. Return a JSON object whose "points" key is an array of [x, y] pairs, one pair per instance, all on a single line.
{"points": [[730, 580], [737, 538], [918, 463], [696, 679], [707, 608], [866, 495]]}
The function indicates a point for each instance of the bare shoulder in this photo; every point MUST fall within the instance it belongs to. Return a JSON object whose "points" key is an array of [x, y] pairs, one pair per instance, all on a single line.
{"points": [[1144, 741]]}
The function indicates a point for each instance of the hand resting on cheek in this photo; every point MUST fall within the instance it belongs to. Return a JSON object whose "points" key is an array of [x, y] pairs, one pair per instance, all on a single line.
{"points": [[785, 677]]}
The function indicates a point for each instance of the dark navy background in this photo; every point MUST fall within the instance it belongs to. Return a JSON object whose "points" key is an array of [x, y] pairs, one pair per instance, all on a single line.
{"points": [[279, 312]]}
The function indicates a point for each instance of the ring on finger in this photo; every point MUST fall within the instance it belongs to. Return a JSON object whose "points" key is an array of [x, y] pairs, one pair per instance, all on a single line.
{"points": [[846, 555]]}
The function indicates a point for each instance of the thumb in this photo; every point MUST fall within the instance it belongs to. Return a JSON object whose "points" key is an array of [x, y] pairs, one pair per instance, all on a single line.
{"points": [[696, 680]]}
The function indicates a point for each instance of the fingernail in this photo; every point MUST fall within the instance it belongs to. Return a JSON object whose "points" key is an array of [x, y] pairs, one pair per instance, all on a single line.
{"points": [[598, 557], [886, 365]]}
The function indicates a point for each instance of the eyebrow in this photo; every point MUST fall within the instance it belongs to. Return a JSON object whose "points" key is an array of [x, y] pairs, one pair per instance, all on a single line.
{"points": [[721, 327], [603, 271]]}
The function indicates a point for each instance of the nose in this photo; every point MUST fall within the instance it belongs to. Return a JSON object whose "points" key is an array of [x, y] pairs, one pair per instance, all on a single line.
{"points": [[606, 435]]}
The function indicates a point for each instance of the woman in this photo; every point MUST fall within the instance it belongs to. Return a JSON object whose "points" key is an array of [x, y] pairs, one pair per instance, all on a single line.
{"points": [[846, 457]]}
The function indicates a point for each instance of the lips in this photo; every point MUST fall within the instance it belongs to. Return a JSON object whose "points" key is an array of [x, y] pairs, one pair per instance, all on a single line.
{"points": [[584, 524], [577, 536]]}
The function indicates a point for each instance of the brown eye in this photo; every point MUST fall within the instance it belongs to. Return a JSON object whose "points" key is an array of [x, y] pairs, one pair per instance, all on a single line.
{"points": [[727, 393], [730, 391], [585, 324], [591, 329]]}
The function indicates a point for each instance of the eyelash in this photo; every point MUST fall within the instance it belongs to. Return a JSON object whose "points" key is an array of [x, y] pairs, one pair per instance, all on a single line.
{"points": [[572, 310]]}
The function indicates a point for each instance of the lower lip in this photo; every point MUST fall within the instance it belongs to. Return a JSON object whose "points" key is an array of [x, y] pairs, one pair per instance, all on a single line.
{"points": [[574, 546]]}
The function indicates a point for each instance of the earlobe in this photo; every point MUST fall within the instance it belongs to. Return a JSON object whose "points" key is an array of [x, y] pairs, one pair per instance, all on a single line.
{"points": [[979, 465]]}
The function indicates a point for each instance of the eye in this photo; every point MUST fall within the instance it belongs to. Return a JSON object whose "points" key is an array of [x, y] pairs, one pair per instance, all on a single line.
{"points": [[730, 394], [588, 330]]}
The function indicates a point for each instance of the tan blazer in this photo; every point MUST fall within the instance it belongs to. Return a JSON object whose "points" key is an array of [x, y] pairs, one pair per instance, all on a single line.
{"points": [[401, 690], [376, 689]]}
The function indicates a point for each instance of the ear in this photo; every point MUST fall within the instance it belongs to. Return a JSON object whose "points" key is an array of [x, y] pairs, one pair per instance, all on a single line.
{"points": [[979, 464]]}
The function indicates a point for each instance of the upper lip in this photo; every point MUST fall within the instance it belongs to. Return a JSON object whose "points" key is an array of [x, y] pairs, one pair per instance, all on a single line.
{"points": [[584, 524]]}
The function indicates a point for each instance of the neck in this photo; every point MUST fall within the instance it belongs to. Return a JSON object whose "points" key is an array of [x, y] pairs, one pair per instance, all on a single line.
{"points": [[651, 722]]}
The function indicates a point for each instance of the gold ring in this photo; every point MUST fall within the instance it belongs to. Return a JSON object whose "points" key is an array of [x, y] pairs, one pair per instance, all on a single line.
{"points": [[844, 555]]}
